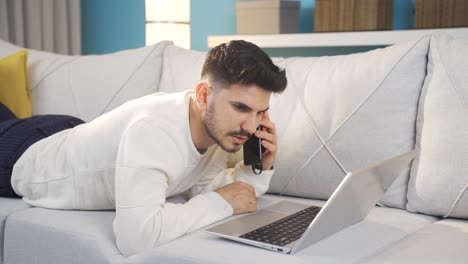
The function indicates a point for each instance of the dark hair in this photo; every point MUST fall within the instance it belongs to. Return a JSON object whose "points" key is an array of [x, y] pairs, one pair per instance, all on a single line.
{"points": [[241, 62]]}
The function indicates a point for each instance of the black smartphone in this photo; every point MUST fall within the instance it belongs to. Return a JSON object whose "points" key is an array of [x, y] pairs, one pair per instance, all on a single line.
{"points": [[253, 151]]}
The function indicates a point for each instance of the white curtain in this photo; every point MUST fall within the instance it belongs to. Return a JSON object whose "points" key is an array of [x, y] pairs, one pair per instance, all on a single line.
{"points": [[49, 25]]}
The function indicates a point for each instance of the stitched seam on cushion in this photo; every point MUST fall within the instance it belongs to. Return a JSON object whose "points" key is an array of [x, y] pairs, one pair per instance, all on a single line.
{"points": [[321, 140], [128, 80], [75, 100], [170, 70], [315, 153], [52, 71], [324, 143], [456, 201], [294, 176], [373, 92], [336, 159], [161, 70], [457, 91]]}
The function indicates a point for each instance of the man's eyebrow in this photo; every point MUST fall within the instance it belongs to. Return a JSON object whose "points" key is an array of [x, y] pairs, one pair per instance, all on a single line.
{"points": [[246, 106]]}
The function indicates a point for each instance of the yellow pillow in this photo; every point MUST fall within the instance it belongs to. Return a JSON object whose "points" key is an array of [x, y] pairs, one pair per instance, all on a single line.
{"points": [[14, 91]]}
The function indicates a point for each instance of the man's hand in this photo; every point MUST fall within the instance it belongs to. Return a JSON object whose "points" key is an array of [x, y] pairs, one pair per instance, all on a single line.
{"points": [[269, 141], [240, 195]]}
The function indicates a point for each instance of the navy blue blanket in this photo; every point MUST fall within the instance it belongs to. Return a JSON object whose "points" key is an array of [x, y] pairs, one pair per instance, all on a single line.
{"points": [[17, 135]]}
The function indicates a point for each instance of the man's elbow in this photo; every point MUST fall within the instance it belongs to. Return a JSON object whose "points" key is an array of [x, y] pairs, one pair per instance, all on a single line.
{"points": [[133, 240], [127, 243]]}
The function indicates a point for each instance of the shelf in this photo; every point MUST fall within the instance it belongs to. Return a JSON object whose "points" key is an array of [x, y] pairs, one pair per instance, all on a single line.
{"points": [[336, 39]]}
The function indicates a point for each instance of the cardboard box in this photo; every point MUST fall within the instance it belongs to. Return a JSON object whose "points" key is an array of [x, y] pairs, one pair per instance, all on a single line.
{"points": [[440, 13], [267, 17], [353, 15]]}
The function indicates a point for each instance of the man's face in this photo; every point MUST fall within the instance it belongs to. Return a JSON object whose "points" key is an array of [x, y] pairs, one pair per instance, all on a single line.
{"points": [[233, 114]]}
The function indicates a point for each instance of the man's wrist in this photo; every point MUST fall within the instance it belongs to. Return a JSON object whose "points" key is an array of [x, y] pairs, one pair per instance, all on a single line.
{"points": [[219, 203]]}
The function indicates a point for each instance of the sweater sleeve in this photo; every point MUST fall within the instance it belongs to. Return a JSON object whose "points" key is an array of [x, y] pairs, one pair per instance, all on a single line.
{"points": [[146, 157], [233, 170]]}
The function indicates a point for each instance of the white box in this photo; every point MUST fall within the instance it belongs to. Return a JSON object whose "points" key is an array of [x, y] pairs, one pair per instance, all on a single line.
{"points": [[267, 17]]}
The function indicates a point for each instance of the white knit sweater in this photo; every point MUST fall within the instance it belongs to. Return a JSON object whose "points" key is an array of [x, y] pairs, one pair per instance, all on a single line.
{"points": [[132, 159]]}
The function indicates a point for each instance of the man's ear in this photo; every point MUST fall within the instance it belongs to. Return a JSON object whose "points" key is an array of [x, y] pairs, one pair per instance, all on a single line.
{"points": [[201, 94]]}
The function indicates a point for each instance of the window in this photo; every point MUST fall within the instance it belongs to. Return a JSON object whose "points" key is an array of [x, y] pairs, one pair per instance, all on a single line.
{"points": [[168, 20]]}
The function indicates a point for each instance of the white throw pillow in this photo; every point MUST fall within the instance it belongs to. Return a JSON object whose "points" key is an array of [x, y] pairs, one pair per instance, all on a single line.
{"points": [[181, 69], [90, 85], [6, 48], [439, 175], [342, 113]]}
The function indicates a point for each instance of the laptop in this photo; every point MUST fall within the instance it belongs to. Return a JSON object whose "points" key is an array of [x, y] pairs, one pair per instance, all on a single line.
{"points": [[288, 227]]}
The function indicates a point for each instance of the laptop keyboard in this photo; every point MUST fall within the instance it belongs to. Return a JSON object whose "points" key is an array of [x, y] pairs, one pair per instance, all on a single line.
{"points": [[284, 230]]}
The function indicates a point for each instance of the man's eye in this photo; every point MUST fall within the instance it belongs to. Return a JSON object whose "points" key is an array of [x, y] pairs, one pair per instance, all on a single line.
{"points": [[241, 108]]}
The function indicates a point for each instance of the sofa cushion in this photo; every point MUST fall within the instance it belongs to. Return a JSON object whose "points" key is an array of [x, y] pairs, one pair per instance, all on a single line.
{"points": [[442, 242], [87, 237], [342, 113], [181, 69], [6, 48], [439, 176], [65, 236], [7, 207], [90, 85]]}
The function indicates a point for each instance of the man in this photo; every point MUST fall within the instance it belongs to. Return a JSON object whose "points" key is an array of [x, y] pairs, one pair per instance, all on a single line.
{"points": [[162, 145]]}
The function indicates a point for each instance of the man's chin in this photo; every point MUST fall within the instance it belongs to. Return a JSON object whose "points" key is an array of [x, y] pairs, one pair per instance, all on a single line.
{"points": [[233, 148], [227, 145]]}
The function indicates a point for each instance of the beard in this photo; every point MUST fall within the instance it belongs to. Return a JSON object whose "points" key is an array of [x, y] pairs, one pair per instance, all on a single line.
{"points": [[215, 133]]}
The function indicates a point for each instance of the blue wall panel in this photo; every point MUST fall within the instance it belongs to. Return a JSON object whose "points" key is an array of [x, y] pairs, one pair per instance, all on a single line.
{"points": [[211, 17], [219, 18], [112, 25]]}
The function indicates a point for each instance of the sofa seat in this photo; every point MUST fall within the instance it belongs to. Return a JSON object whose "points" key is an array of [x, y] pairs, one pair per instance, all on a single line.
{"points": [[442, 242], [8, 206], [40, 235], [44, 236]]}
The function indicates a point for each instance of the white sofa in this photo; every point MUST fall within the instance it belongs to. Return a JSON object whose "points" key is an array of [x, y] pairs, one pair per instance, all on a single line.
{"points": [[337, 114]]}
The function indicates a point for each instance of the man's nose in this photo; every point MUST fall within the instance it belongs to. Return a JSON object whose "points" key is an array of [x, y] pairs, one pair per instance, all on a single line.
{"points": [[251, 124]]}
